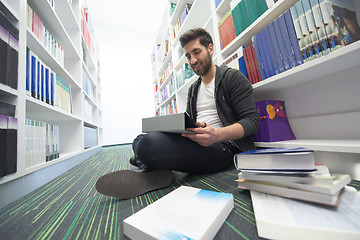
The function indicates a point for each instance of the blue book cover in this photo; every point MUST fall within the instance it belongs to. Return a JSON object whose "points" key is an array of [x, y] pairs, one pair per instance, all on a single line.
{"points": [[289, 51], [28, 72], [284, 48], [241, 60], [271, 50], [268, 68], [277, 151], [295, 40], [258, 59], [33, 76], [275, 46], [38, 68], [42, 81], [47, 95], [52, 88]]}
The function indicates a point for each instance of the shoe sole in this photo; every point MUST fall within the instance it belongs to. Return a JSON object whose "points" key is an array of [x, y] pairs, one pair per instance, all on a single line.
{"points": [[127, 184]]}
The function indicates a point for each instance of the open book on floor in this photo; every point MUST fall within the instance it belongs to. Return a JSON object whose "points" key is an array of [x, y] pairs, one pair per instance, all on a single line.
{"points": [[283, 219], [185, 213], [174, 123]]}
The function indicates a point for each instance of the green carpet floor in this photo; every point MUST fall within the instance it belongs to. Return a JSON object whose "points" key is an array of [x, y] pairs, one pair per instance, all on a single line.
{"points": [[70, 208]]}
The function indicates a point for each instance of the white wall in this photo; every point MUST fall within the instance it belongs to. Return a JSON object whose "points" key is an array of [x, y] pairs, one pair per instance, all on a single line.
{"points": [[125, 32]]}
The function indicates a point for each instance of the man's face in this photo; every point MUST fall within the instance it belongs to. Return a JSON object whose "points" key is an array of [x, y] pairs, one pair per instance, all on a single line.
{"points": [[199, 57]]}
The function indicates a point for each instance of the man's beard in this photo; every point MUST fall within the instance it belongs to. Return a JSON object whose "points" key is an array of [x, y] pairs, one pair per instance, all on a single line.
{"points": [[206, 66]]}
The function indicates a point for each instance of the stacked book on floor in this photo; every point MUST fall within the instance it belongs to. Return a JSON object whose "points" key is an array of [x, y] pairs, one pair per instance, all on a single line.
{"points": [[290, 173]]}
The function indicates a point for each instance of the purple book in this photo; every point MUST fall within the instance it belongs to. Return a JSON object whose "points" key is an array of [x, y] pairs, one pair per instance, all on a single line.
{"points": [[274, 124]]}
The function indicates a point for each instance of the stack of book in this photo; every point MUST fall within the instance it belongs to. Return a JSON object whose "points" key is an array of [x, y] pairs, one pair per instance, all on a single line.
{"points": [[290, 173]]}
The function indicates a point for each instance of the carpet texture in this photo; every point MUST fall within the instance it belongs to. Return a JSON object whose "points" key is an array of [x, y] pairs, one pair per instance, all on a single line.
{"points": [[69, 207]]}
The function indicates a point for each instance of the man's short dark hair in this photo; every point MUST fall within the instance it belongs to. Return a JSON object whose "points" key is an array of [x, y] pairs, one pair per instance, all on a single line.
{"points": [[192, 34]]}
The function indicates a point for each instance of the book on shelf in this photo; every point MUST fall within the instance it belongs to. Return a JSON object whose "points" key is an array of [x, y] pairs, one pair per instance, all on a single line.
{"points": [[309, 48], [313, 34], [338, 181], [9, 47], [226, 30], [282, 218], [185, 213], [44, 84], [241, 60], [274, 124], [8, 146], [245, 12], [341, 22], [281, 159], [42, 142], [45, 38], [175, 123]]}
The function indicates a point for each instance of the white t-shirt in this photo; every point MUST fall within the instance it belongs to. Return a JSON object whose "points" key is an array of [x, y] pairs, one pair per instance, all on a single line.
{"points": [[206, 106]]}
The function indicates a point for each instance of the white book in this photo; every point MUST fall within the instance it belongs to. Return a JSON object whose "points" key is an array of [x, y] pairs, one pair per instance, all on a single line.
{"points": [[320, 176], [287, 192], [281, 218], [338, 182], [185, 213]]}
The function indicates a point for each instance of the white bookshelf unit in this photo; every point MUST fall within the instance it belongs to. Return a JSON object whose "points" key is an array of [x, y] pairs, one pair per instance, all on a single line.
{"points": [[321, 96], [80, 69]]}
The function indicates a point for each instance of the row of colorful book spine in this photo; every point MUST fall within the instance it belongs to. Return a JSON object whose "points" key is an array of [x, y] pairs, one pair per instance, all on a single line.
{"points": [[9, 48], [84, 27], [42, 142], [299, 35], [44, 84], [49, 42], [167, 91], [169, 108], [181, 19]]}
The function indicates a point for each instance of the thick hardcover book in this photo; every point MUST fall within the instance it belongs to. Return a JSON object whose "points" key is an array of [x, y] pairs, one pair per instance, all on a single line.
{"points": [[288, 46], [175, 123], [281, 218], [321, 176], [285, 159], [295, 34], [304, 195], [185, 213], [3, 130], [258, 59], [338, 182], [276, 49], [284, 47]]}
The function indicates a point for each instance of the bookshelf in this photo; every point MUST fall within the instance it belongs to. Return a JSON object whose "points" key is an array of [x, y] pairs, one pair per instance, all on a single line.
{"points": [[321, 95], [80, 69]]}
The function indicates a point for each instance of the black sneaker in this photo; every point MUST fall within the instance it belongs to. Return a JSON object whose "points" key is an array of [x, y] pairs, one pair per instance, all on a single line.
{"points": [[127, 184], [132, 161]]}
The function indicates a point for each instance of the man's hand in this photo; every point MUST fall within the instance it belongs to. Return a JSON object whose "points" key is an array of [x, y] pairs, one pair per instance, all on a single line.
{"points": [[206, 135]]}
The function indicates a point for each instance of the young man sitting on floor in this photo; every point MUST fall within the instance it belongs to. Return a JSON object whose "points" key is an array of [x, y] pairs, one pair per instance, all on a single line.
{"points": [[221, 101]]}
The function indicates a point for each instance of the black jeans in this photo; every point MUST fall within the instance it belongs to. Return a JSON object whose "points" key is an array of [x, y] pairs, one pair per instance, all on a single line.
{"points": [[157, 150]]}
